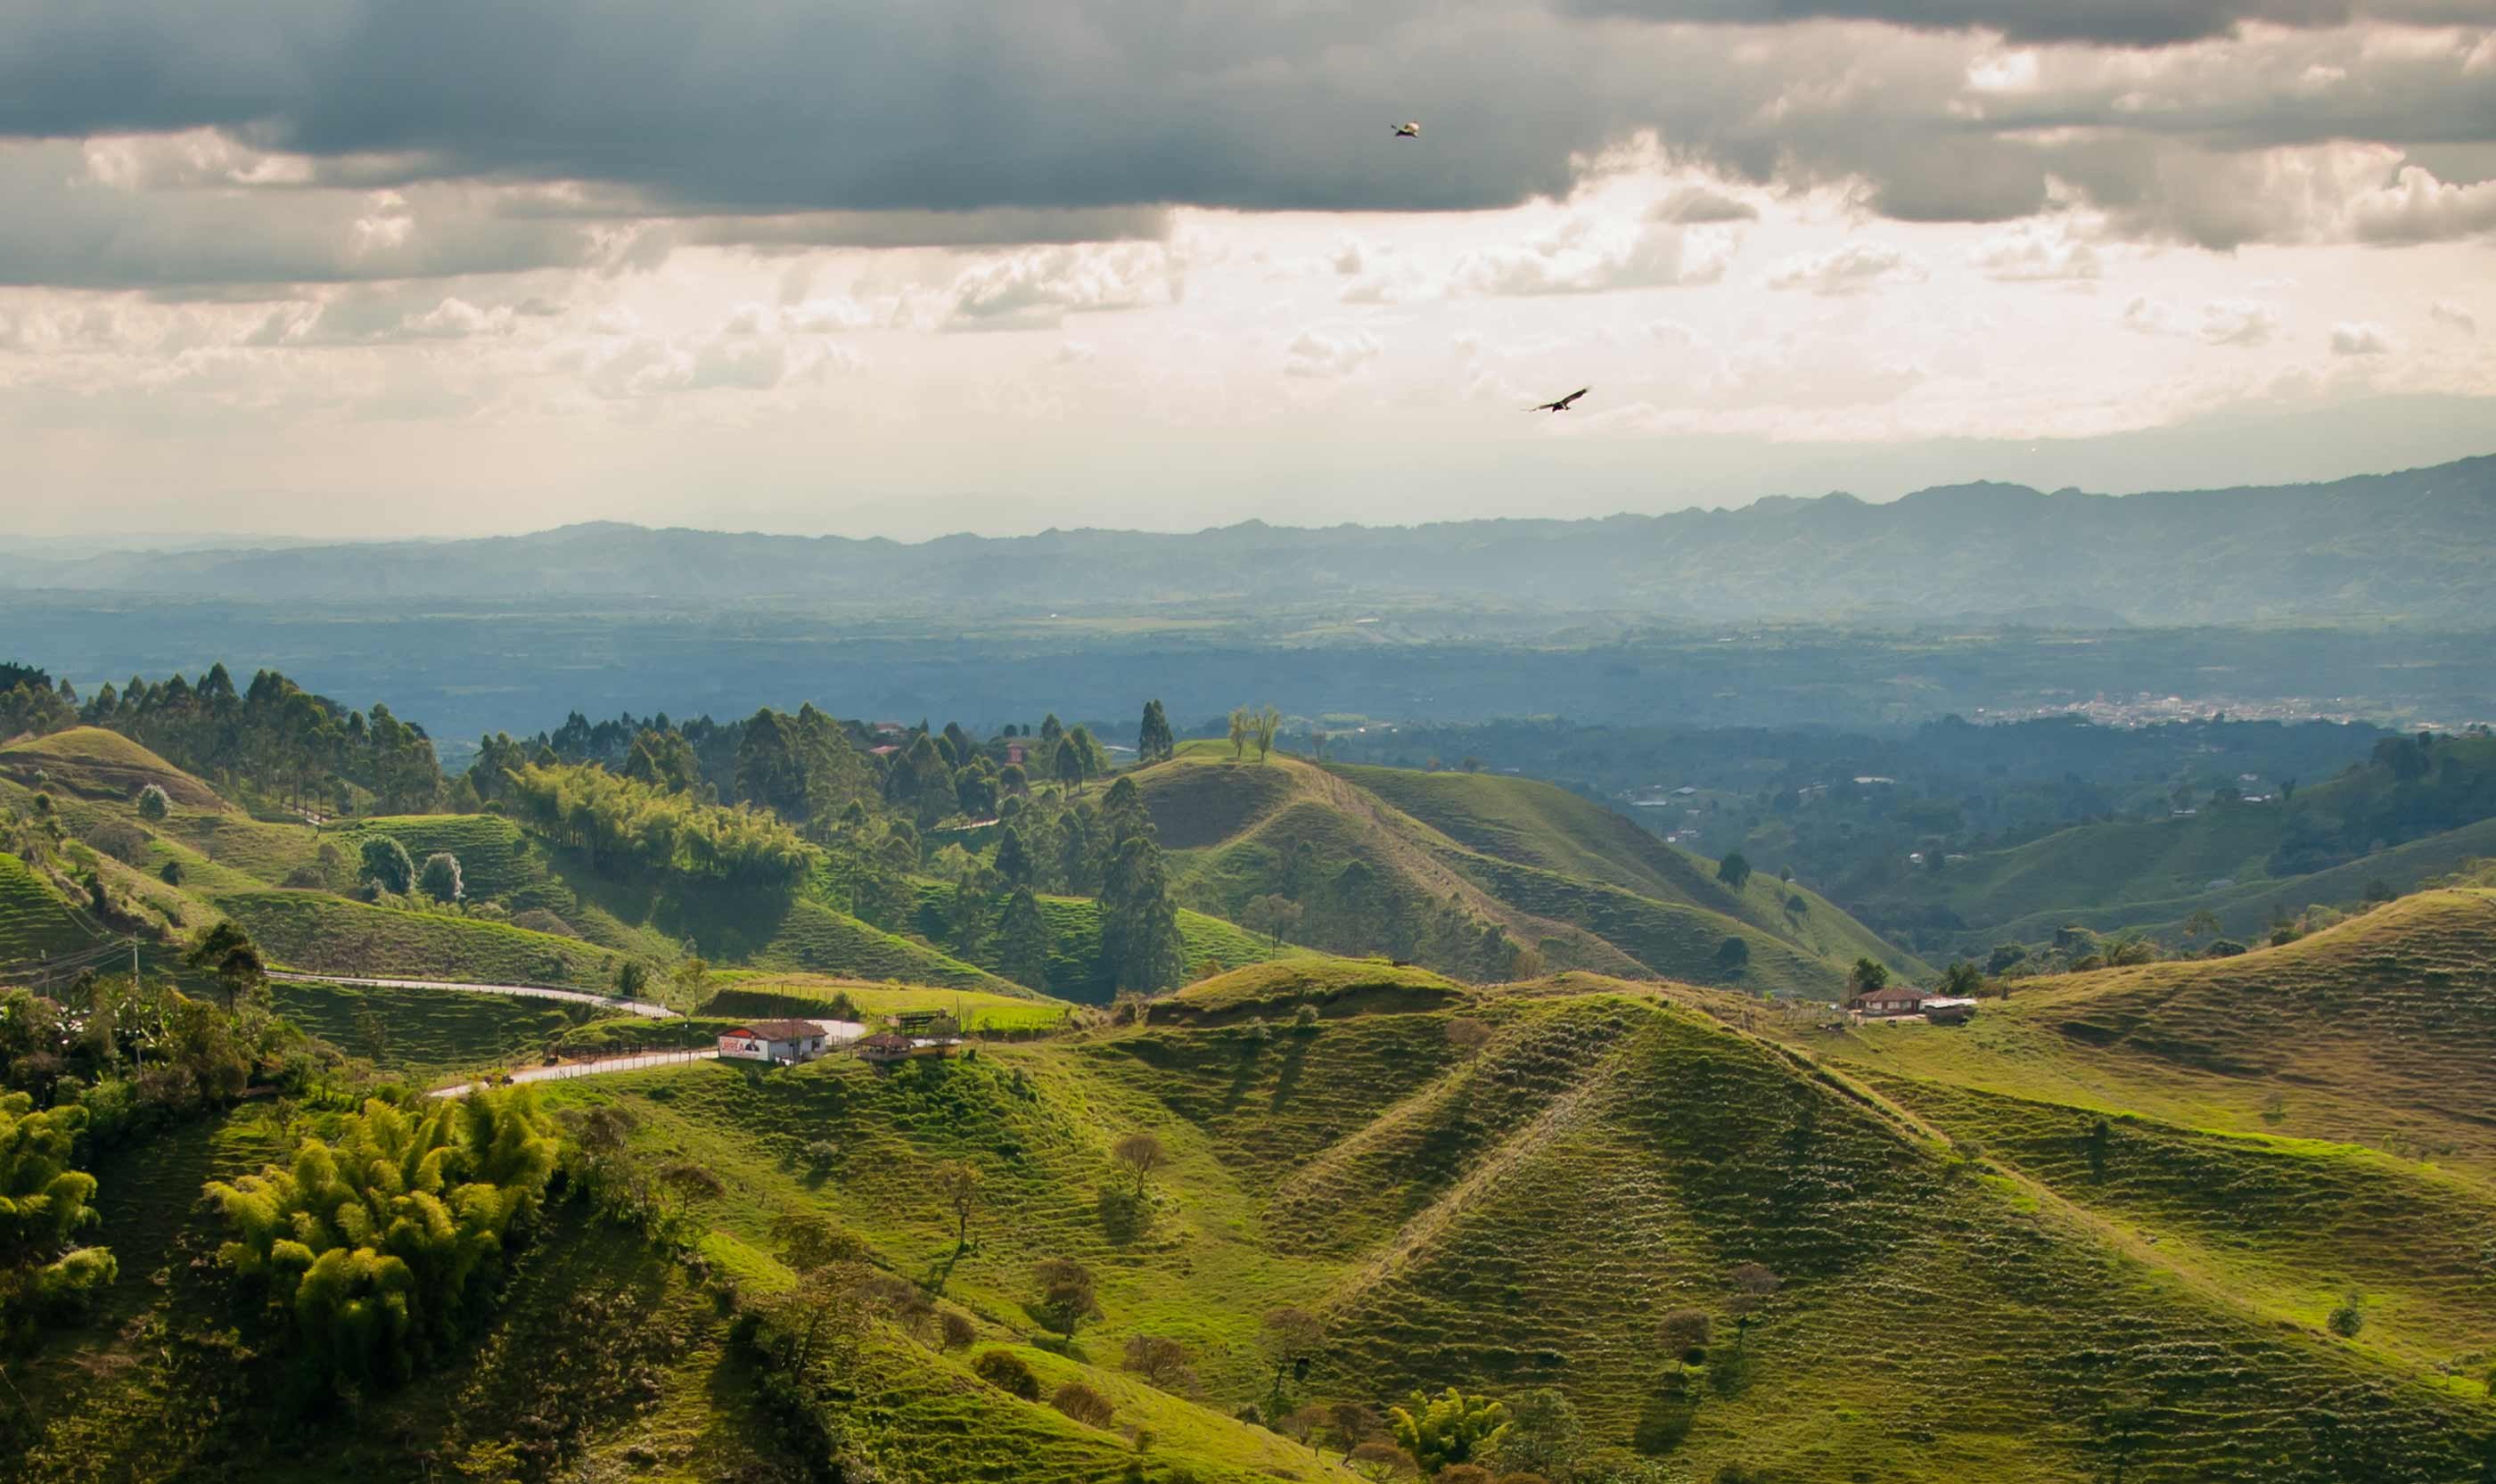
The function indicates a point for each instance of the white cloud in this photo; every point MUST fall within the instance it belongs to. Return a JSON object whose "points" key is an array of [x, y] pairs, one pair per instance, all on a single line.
{"points": [[2358, 338], [2417, 207], [1328, 355], [1585, 255], [1038, 289], [2453, 316], [2036, 251], [2239, 321], [1850, 268]]}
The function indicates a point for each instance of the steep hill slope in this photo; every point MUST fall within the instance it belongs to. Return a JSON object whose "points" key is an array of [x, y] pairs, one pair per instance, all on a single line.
{"points": [[96, 763], [2373, 1032], [1552, 873]]}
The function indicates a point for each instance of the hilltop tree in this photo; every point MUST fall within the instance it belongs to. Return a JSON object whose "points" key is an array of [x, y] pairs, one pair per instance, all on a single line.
{"points": [[1141, 1153], [440, 878], [1242, 727], [1734, 870], [153, 804], [226, 953], [1264, 726], [385, 865], [1153, 739]]}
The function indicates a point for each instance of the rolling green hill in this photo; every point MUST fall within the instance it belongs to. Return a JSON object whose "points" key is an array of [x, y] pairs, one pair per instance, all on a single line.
{"points": [[321, 934], [1566, 877], [95, 763], [35, 923], [2399, 821]]}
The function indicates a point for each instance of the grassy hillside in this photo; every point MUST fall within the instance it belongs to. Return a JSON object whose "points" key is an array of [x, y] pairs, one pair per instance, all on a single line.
{"points": [[2326, 844], [2373, 1032], [323, 934], [1559, 874], [426, 1031], [35, 923], [760, 994], [95, 763]]}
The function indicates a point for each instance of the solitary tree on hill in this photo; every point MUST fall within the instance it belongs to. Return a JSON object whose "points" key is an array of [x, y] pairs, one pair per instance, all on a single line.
{"points": [[1153, 739], [1141, 1153], [1240, 729], [1264, 726], [1734, 870], [153, 805], [1065, 1296], [958, 1182]]}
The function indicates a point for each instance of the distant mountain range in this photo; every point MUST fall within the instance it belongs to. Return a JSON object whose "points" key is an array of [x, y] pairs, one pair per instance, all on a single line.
{"points": [[2413, 545]]}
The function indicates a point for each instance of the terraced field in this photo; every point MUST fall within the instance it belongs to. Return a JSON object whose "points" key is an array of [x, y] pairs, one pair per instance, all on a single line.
{"points": [[35, 923], [427, 1031], [321, 934], [95, 763]]}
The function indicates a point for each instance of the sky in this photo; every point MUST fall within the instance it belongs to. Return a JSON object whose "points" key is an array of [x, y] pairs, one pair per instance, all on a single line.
{"points": [[349, 268]]}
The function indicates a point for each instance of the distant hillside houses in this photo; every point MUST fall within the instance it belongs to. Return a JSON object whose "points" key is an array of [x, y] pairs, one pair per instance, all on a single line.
{"points": [[786, 1042]]}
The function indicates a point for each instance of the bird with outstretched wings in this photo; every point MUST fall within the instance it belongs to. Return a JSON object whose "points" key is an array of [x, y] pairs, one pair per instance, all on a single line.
{"points": [[1408, 131], [1560, 406]]}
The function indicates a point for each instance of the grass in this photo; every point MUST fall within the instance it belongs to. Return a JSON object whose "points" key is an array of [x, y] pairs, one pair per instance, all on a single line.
{"points": [[755, 993], [35, 923], [1586, 887], [96, 763], [816, 939], [430, 1030], [321, 934]]}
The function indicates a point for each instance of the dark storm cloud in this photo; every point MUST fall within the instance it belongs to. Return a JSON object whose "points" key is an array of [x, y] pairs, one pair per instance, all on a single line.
{"points": [[787, 124], [2108, 23]]}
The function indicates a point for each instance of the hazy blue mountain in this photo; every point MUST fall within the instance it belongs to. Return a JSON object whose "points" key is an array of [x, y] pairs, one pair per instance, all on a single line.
{"points": [[2415, 545]]}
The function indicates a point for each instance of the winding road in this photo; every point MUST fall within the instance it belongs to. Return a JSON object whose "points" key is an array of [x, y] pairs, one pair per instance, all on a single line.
{"points": [[527, 991]]}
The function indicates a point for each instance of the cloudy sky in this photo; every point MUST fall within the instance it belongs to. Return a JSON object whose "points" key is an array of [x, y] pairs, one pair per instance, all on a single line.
{"points": [[359, 267]]}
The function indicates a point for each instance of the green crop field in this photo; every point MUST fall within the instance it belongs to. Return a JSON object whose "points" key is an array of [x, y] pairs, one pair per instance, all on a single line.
{"points": [[757, 994], [427, 1031]]}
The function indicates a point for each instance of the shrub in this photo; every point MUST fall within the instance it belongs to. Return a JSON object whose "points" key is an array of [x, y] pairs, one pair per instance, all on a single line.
{"points": [[956, 1331], [385, 865], [1162, 1362], [2350, 1316], [1007, 1371], [821, 1155], [1082, 1403], [1064, 1294], [1375, 1460], [439, 878], [170, 873], [1304, 1020], [153, 805], [124, 842], [1686, 1332]]}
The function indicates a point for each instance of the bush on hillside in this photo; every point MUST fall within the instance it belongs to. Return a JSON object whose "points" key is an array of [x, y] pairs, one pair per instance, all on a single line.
{"points": [[1082, 1403], [383, 865], [383, 1243], [153, 805], [1007, 1371], [537, 919], [123, 841], [439, 878]]}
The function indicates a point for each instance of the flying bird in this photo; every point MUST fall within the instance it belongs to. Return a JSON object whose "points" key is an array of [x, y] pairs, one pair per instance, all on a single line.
{"points": [[1560, 406], [1408, 131]]}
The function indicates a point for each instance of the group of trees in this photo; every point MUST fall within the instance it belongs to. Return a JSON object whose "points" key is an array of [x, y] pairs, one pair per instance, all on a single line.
{"points": [[47, 1204], [274, 740], [380, 1246], [633, 829]]}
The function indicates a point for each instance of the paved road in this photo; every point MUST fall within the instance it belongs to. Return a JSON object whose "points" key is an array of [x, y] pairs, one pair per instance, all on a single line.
{"points": [[591, 1068], [528, 991]]}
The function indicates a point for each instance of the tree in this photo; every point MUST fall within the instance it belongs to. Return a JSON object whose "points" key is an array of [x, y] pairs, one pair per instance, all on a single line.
{"points": [[153, 805], [1141, 1153], [1380, 1460], [1082, 1403], [45, 1203], [1006, 1371], [1733, 955], [1063, 1294], [1734, 870], [440, 878], [1153, 739], [1139, 939], [1072, 764], [1866, 977], [1452, 1429], [1162, 1362], [1263, 727], [1271, 916], [632, 978], [1468, 1035], [1022, 940], [1753, 1283], [1014, 863], [226, 953], [1545, 1436], [386, 865], [1962, 980], [1242, 727], [2349, 1316], [1685, 1333], [1290, 1339], [958, 1182]]}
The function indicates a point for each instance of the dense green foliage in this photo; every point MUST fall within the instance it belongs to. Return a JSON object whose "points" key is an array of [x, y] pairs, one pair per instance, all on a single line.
{"points": [[46, 1204], [633, 829], [386, 1238]]}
